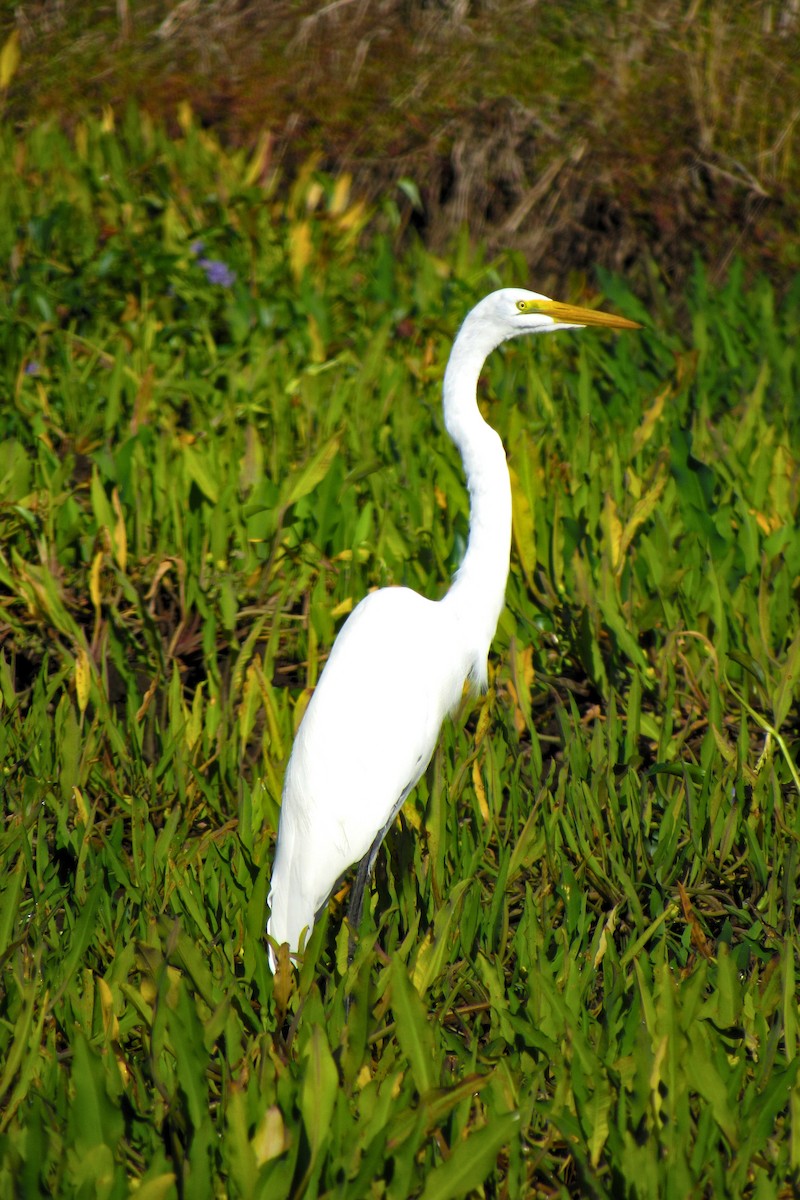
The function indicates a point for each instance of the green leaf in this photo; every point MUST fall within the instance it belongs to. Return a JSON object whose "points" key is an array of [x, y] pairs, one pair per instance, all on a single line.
{"points": [[198, 471], [599, 1107], [95, 1120], [9, 904], [185, 1036], [471, 1160], [413, 1031], [318, 1091], [301, 483], [788, 684], [82, 935]]}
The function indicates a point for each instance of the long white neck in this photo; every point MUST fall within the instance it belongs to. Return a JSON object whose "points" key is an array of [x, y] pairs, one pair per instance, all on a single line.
{"points": [[478, 591]]}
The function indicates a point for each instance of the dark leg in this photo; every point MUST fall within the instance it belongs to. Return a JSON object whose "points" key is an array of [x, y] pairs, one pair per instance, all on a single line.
{"points": [[355, 907], [364, 873], [363, 876]]}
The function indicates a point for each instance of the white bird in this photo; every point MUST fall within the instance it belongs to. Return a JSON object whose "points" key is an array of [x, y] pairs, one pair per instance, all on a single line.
{"points": [[400, 662]]}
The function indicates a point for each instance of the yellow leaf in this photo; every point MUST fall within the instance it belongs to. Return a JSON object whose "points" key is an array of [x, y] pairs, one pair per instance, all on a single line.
{"points": [[608, 931], [107, 119], [269, 1139], [781, 488], [413, 818], [94, 579], [613, 528], [519, 687], [766, 525], [362, 555], [656, 1074], [120, 537], [525, 662], [599, 1108], [185, 116], [641, 511], [419, 974], [485, 717], [275, 739], [158, 1187], [645, 431], [81, 137], [260, 161], [354, 217], [317, 344], [312, 656], [341, 610], [83, 677], [80, 804], [9, 60], [251, 694], [303, 183], [557, 546], [480, 790], [341, 194], [634, 482], [148, 696], [300, 708], [110, 1022], [300, 248], [523, 527]]}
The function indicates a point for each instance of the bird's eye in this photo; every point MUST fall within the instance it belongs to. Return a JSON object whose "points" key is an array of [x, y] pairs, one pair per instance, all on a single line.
{"points": [[521, 305]]}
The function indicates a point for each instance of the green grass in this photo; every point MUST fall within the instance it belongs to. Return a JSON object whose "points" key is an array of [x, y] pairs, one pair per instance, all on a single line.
{"points": [[577, 974]]}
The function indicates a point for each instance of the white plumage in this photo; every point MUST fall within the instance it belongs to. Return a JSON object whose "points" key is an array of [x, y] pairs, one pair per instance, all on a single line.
{"points": [[399, 664]]}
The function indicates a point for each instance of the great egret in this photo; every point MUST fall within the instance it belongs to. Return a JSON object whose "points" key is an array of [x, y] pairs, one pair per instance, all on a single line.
{"points": [[399, 664]]}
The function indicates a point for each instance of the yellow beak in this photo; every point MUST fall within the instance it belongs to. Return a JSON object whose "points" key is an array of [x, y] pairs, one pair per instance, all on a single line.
{"points": [[571, 314]]}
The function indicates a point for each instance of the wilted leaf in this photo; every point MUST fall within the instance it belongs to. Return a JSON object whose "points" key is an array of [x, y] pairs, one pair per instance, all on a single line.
{"points": [[9, 60]]}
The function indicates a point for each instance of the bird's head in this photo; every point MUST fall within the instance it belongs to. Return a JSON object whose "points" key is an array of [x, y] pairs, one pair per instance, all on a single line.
{"points": [[512, 312]]}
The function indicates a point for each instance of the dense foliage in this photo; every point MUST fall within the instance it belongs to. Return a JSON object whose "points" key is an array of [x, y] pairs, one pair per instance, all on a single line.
{"points": [[220, 427], [577, 133]]}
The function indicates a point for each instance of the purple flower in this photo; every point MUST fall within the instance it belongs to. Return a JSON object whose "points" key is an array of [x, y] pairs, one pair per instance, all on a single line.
{"points": [[218, 272], [33, 368]]}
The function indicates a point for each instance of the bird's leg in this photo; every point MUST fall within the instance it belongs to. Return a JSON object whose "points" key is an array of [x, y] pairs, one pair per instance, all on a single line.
{"points": [[356, 906], [363, 876]]}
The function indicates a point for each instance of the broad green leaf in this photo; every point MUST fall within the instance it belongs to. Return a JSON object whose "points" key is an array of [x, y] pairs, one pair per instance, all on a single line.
{"points": [[318, 1092], [301, 483], [197, 468], [413, 1031], [95, 1120]]}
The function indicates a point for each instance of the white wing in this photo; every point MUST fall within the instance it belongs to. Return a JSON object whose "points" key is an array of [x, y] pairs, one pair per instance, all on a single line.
{"points": [[395, 671]]}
